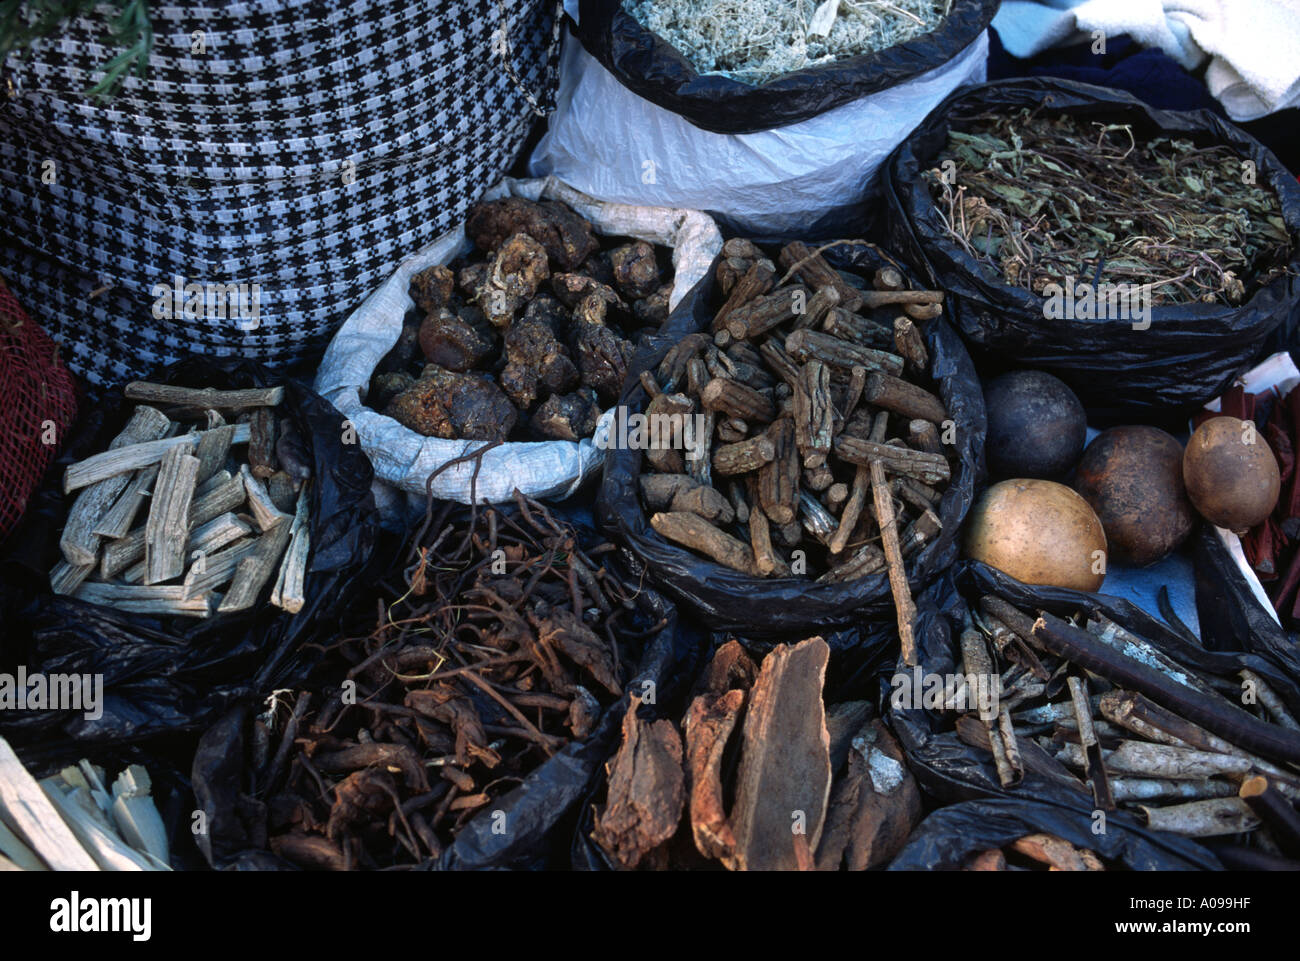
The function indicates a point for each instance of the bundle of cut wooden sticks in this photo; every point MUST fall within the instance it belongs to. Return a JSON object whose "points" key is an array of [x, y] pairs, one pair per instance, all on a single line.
{"points": [[211, 519]]}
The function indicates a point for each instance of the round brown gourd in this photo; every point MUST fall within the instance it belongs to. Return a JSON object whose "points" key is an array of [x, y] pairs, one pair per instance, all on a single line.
{"points": [[1231, 474], [1133, 478], [1039, 532]]}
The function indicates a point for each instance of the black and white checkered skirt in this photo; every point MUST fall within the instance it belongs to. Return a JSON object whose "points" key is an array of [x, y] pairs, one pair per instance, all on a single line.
{"points": [[304, 147]]}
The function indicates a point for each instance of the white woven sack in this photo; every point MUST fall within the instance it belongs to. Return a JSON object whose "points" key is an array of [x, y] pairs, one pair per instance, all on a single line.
{"points": [[608, 141], [543, 469]]}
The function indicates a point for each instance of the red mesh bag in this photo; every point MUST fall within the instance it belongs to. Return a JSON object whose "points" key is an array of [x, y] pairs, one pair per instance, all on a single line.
{"points": [[37, 405]]}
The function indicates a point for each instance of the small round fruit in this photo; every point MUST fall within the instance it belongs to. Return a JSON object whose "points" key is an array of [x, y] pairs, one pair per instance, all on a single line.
{"points": [[1230, 473], [1036, 426], [1039, 532], [1133, 478]]}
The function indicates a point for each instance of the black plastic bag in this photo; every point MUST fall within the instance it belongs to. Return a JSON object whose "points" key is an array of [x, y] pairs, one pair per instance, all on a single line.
{"points": [[950, 835], [727, 600], [952, 771], [539, 813], [1190, 353], [167, 675], [651, 68]]}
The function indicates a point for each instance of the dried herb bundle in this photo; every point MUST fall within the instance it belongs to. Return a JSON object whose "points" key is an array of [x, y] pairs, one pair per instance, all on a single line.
{"points": [[1038, 199], [499, 650], [1096, 703], [755, 41]]}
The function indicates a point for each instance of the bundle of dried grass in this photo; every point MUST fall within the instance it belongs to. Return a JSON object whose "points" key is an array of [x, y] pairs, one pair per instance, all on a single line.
{"points": [[755, 41]]}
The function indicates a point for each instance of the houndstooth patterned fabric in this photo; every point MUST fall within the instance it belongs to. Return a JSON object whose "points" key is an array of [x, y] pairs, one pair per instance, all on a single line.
{"points": [[308, 148]]}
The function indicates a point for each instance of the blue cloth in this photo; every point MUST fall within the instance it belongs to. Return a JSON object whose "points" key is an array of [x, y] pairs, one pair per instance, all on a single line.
{"points": [[1147, 73]]}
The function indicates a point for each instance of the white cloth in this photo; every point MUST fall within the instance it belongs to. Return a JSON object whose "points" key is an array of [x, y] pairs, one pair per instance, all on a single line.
{"points": [[544, 469], [1253, 46]]}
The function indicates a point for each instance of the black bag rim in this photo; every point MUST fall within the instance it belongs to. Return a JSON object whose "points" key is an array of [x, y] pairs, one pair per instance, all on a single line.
{"points": [[650, 67]]}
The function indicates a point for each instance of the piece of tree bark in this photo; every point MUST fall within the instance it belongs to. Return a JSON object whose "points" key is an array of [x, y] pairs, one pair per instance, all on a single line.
{"points": [[778, 480], [923, 435], [875, 805], [65, 578], [812, 413], [693, 531], [902, 397], [659, 490], [755, 282], [923, 312], [766, 561], [910, 344], [926, 468], [743, 457], [122, 553], [863, 562], [844, 721], [167, 528], [1051, 850], [119, 518], [202, 398], [736, 400], [213, 447], [856, 329], [903, 603], [646, 790], [824, 299], [290, 586], [707, 502], [1274, 810], [779, 361], [990, 860], [1202, 819], [708, 724], [79, 542], [784, 780], [840, 354], [821, 479], [889, 298], [261, 443], [133, 457], [660, 454], [814, 271], [761, 314], [161, 599], [887, 278], [256, 569], [730, 667], [35, 820], [264, 510], [852, 509]]}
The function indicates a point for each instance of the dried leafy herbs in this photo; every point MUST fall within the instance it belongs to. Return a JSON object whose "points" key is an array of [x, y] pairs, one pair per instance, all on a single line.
{"points": [[1038, 199]]}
